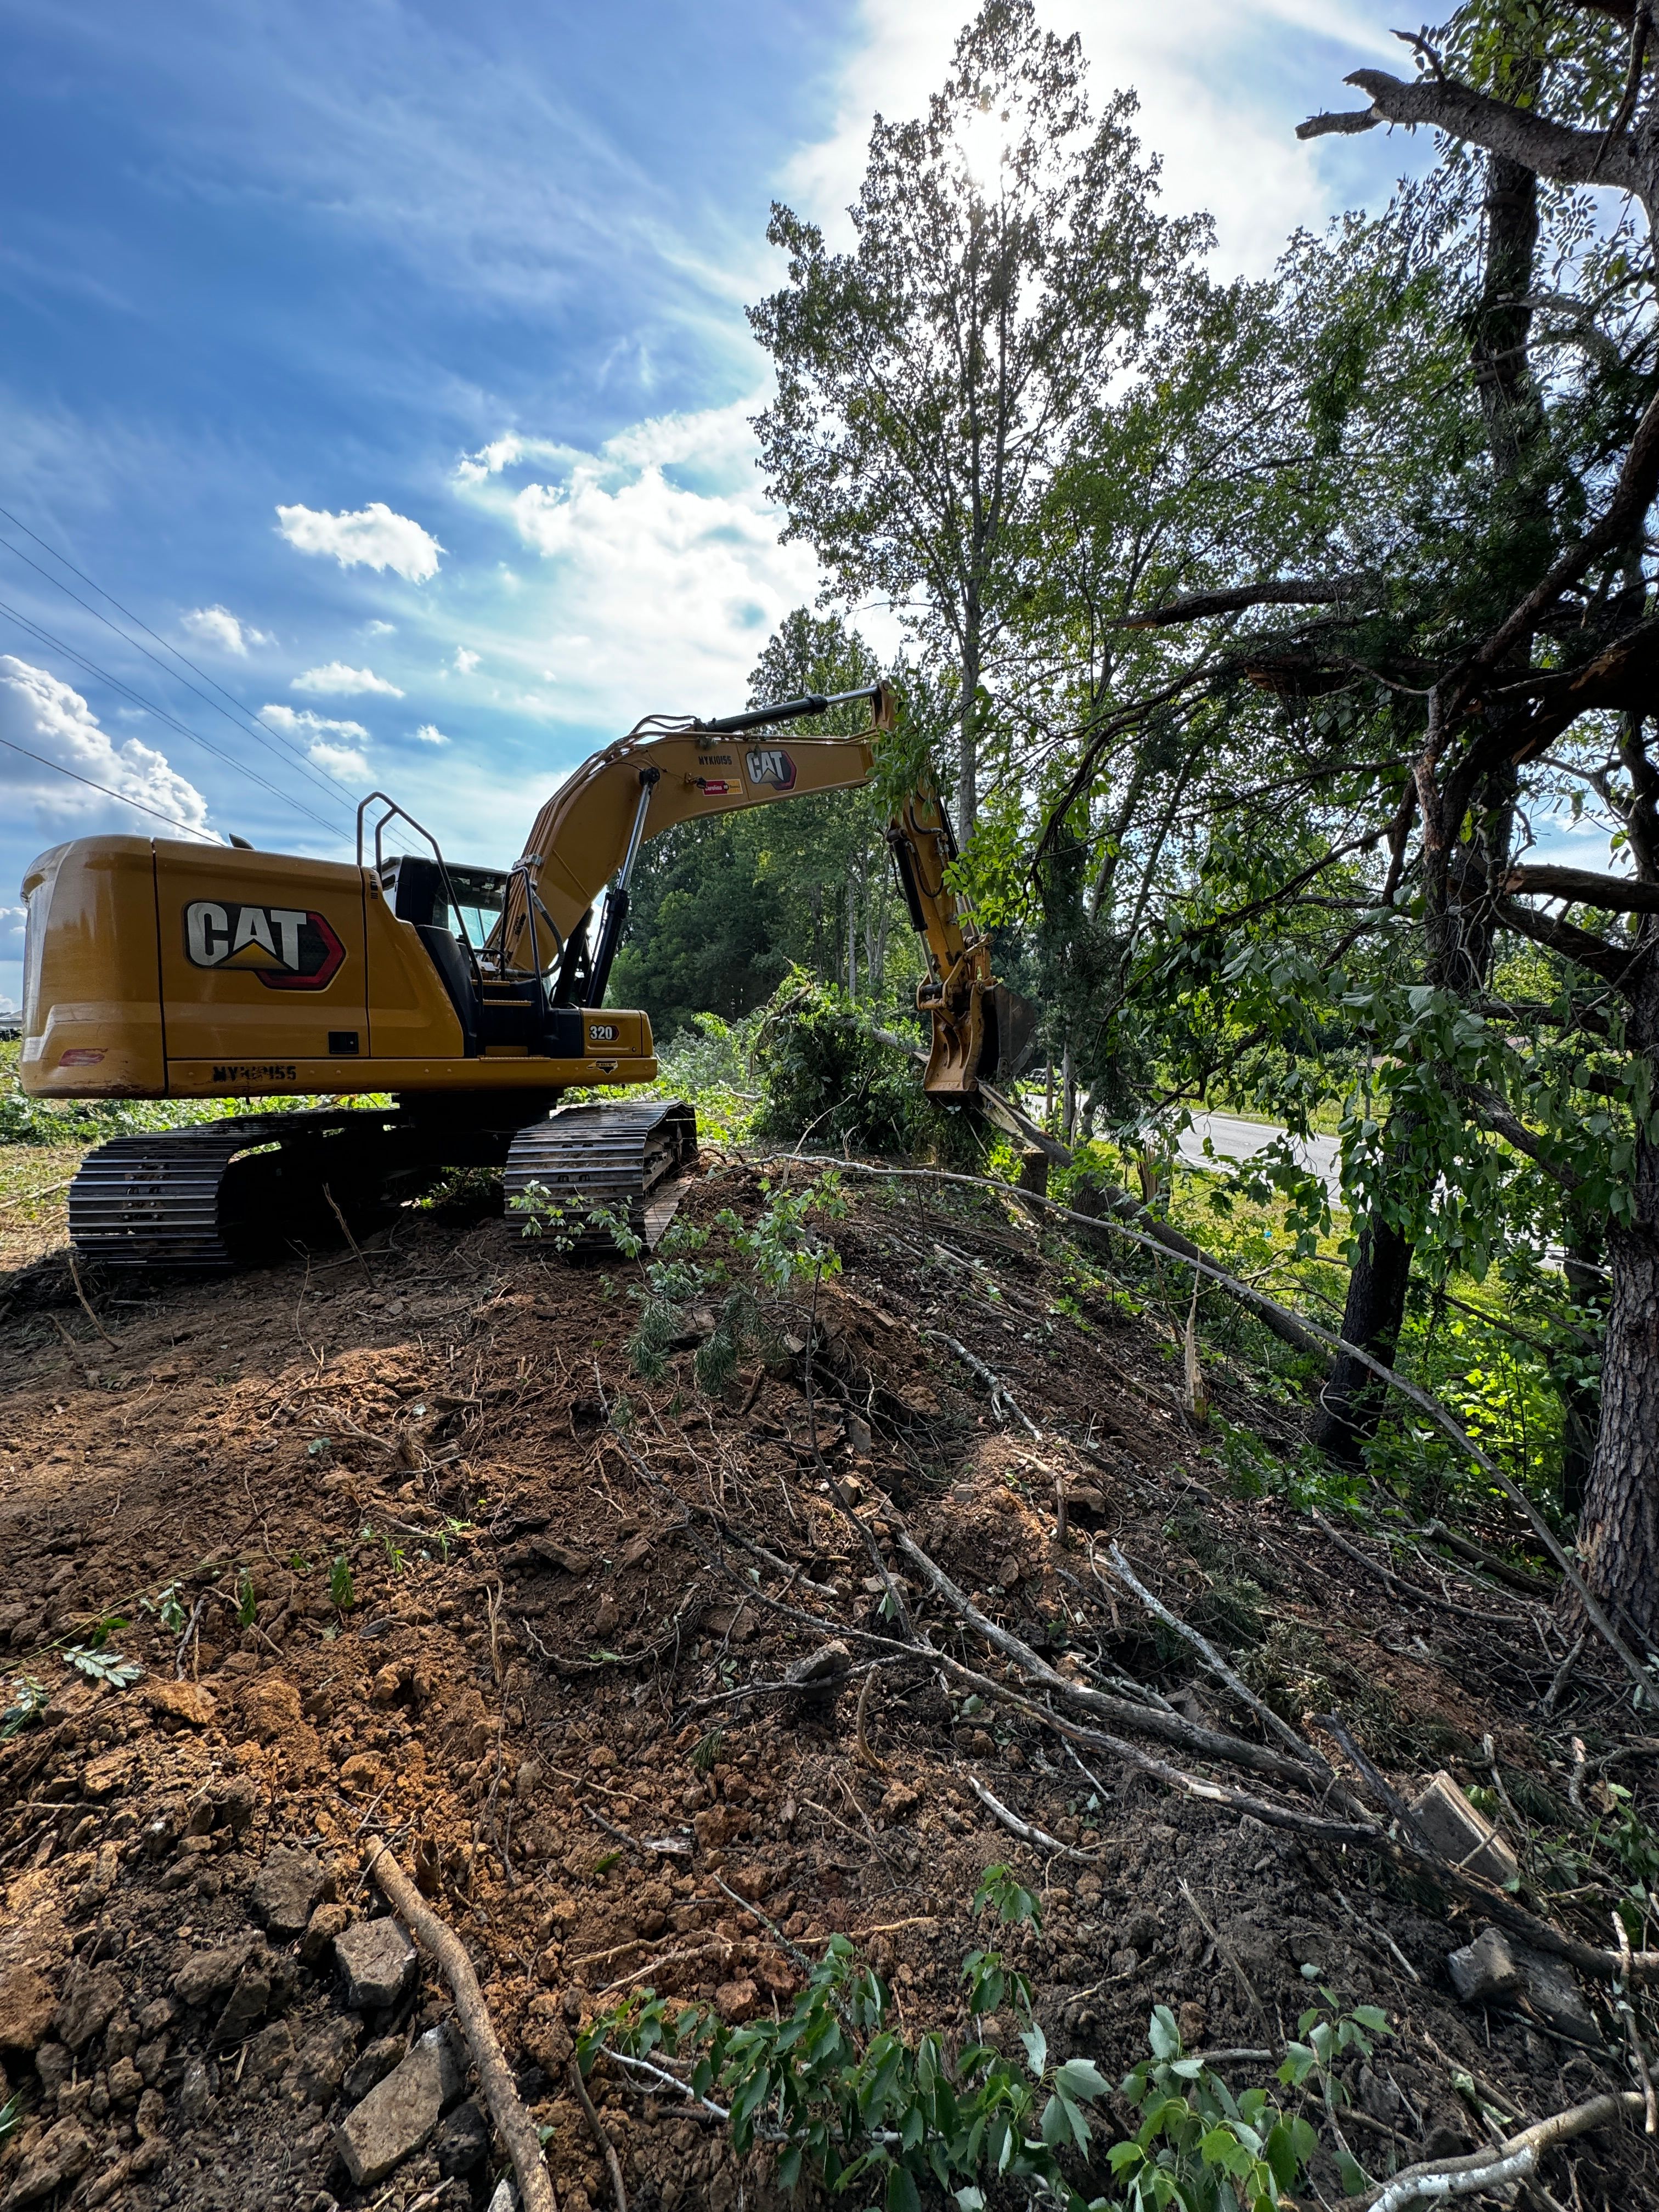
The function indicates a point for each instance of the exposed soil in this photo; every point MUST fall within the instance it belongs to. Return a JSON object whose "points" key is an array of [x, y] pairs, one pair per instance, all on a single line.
{"points": [[551, 1610]]}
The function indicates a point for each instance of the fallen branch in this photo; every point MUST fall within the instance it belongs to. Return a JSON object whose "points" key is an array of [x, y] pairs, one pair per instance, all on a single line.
{"points": [[1149, 1720], [1394, 1582], [599, 2134], [1038, 1838], [1301, 1750], [1225, 1949], [513, 2123], [1001, 1397], [1515, 2158]]}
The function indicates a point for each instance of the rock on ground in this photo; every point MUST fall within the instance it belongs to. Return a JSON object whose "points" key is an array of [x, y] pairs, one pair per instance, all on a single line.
{"points": [[396, 2118], [378, 1961]]}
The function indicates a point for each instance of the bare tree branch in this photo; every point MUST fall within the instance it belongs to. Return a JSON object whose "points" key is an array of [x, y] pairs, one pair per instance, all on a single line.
{"points": [[1294, 592], [1618, 964], [1585, 887], [1346, 122], [1552, 149]]}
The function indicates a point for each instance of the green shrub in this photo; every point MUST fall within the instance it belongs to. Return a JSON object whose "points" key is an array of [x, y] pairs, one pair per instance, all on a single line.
{"points": [[827, 1080]]}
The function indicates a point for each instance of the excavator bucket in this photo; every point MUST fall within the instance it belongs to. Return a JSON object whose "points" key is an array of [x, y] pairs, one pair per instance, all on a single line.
{"points": [[990, 1039]]}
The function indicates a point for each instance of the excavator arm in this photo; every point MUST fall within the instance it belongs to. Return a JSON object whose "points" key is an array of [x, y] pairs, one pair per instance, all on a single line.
{"points": [[589, 835]]}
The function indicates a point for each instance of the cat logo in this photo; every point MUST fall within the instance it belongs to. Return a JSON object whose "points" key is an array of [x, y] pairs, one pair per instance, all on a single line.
{"points": [[771, 765], [288, 948]]}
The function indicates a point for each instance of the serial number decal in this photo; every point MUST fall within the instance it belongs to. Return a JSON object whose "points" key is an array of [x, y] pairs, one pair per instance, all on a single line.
{"points": [[603, 1032], [264, 1071], [770, 765], [288, 947], [713, 760]]}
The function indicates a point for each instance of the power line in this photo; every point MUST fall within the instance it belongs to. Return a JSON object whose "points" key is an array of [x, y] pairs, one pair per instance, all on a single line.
{"points": [[107, 790], [258, 720], [161, 714]]}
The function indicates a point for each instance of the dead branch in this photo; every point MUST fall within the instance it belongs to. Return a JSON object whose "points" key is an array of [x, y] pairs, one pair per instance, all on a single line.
{"points": [[1038, 1838], [1225, 1949], [599, 2135], [1299, 1748], [1387, 1576], [1514, 2160], [513, 2123], [1149, 1720], [1001, 1397]]}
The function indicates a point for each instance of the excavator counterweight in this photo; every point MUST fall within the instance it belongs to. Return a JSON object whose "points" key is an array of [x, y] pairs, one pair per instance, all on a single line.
{"points": [[474, 996]]}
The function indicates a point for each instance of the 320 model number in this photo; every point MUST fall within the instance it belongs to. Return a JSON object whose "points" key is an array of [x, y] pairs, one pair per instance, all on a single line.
{"points": [[603, 1032]]}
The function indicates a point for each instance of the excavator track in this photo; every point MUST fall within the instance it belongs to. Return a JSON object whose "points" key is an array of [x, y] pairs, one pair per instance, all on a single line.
{"points": [[189, 1197], [635, 1156], [209, 1199]]}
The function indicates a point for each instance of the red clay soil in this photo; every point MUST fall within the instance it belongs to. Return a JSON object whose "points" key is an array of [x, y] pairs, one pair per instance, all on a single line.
{"points": [[404, 1550]]}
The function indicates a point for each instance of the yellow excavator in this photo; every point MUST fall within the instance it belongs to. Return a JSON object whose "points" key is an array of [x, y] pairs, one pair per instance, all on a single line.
{"points": [[156, 969]]}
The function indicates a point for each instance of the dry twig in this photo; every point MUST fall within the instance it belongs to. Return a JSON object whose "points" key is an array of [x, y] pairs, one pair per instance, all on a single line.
{"points": [[599, 2135], [513, 2123]]}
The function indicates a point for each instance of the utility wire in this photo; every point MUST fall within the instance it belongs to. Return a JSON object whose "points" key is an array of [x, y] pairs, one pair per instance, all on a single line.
{"points": [[108, 791], [58, 645], [250, 716]]}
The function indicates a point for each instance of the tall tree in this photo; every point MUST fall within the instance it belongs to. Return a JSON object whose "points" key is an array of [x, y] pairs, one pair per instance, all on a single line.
{"points": [[1007, 261]]}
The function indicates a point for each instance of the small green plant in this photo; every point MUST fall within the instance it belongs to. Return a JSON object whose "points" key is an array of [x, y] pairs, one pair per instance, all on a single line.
{"points": [[10, 2114], [168, 1608], [107, 1666], [29, 1699], [341, 1589], [1199, 2148], [247, 1602], [1323, 2037], [869, 2111], [298, 1561], [708, 1750]]}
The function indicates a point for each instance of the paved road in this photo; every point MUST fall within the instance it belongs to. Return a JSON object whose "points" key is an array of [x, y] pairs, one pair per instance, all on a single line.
{"points": [[1233, 1139]]}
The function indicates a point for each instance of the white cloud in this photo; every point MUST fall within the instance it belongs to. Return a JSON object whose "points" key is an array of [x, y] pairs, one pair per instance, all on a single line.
{"points": [[339, 760], [374, 538], [301, 722], [465, 661], [430, 735], [46, 717], [218, 627], [337, 679], [379, 629], [669, 515], [333, 745]]}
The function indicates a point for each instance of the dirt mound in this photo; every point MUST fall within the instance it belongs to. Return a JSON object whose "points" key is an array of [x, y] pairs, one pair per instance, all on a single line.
{"points": [[404, 1548]]}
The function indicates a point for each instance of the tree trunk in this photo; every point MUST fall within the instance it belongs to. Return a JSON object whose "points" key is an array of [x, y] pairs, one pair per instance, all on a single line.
{"points": [[967, 731], [1351, 1400], [1619, 1527], [1585, 1258]]}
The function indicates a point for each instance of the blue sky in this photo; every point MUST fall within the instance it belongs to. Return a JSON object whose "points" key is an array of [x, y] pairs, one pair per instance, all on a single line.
{"points": [[390, 361]]}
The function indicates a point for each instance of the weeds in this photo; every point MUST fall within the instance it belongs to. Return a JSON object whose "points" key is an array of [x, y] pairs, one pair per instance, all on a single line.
{"points": [[168, 1607], [849, 2103], [341, 1589], [29, 1700]]}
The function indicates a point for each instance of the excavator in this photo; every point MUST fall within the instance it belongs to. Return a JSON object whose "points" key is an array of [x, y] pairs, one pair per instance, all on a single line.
{"points": [[474, 997]]}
